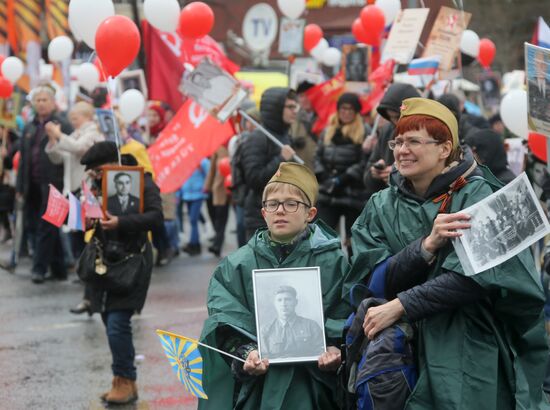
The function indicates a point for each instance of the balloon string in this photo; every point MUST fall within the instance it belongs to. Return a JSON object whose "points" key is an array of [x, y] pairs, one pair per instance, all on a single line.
{"points": [[92, 56], [111, 109], [422, 4]]}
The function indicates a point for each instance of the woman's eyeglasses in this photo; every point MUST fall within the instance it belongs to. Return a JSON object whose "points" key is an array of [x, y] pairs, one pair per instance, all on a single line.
{"points": [[290, 205], [411, 143]]}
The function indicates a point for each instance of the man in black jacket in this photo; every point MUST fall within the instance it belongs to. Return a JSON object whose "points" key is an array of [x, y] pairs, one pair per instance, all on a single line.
{"points": [[36, 173], [260, 156], [381, 159]]}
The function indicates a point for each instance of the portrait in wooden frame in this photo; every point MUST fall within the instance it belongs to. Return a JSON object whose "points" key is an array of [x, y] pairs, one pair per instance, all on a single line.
{"points": [[122, 189]]}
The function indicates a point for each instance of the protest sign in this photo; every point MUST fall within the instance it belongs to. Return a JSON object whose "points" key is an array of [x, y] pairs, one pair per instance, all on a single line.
{"points": [[191, 136], [489, 85], [213, 89], [537, 62], [444, 39], [502, 225], [404, 35], [291, 36], [57, 209]]}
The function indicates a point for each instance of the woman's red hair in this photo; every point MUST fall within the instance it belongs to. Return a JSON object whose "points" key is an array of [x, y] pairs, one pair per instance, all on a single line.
{"points": [[435, 129]]}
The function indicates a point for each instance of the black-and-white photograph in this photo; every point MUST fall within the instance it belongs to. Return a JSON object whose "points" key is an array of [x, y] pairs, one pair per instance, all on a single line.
{"points": [[356, 63], [502, 225], [132, 79], [489, 85], [537, 67], [289, 314], [107, 124], [213, 89], [122, 190]]}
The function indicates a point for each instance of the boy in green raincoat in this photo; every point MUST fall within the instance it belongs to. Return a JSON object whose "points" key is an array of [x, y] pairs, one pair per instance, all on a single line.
{"points": [[290, 240]]}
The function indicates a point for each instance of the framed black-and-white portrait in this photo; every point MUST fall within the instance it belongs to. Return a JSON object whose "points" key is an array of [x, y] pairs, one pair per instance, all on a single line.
{"points": [[122, 190], [132, 79], [289, 314], [355, 63], [107, 124]]}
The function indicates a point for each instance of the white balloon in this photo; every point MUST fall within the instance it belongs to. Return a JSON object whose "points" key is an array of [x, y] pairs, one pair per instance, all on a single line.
{"points": [[293, 9], [12, 69], [88, 76], [331, 57], [60, 48], [131, 105], [162, 14], [318, 51], [513, 111], [74, 29], [391, 9], [469, 43], [87, 15]]}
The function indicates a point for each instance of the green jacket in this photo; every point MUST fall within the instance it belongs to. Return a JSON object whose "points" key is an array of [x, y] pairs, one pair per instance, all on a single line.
{"points": [[231, 305], [491, 354]]}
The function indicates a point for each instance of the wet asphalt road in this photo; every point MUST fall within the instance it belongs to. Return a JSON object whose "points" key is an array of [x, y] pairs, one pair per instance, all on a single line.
{"points": [[52, 359]]}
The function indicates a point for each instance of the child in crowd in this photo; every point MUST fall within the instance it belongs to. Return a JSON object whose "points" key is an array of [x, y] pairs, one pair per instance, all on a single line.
{"points": [[291, 240]]}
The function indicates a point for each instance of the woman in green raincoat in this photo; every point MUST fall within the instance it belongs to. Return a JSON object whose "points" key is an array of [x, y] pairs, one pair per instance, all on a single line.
{"points": [[291, 240], [481, 341]]}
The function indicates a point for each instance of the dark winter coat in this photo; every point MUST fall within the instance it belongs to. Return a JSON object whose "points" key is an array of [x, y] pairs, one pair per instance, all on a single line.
{"points": [[260, 157], [50, 172], [339, 168], [392, 100], [132, 233], [489, 148]]}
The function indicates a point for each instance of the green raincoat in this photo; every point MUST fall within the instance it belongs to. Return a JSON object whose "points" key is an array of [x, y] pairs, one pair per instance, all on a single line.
{"points": [[486, 355], [231, 305]]}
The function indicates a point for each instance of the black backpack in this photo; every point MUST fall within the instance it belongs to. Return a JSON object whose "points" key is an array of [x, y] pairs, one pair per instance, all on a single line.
{"points": [[378, 374], [238, 183]]}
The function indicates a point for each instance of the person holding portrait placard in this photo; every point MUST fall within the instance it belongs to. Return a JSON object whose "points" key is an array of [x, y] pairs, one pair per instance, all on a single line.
{"points": [[290, 240], [481, 338]]}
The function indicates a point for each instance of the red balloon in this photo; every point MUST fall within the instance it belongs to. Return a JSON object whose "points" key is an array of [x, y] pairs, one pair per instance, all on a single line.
{"points": [[373, 21], [6, 88], [537, 145], [196, 20], [228, 181], [487, 51], [117, 44], [359, 31], [15, 160], [312, 35], [224, 166]]}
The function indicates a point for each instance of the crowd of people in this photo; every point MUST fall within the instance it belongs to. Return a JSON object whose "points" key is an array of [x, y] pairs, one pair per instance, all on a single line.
{"points": [[399, 183]]}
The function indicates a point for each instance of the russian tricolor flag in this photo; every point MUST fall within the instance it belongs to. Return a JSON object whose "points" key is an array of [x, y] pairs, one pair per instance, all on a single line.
{"points": [[76, 220], [541, 36], [426, 65]]}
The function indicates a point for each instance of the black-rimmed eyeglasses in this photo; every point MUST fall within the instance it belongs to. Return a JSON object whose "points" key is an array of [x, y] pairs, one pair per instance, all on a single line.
{"points": [[290, 205]]}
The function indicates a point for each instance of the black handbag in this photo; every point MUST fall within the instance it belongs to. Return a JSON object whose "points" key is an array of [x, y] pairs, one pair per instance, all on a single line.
{"points": [[117, 275]]}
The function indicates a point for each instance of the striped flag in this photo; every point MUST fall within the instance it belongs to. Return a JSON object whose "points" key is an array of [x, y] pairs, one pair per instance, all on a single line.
{"points": [[186, 361], [76, 219], [541, 36], [91, 205], [426, 65], [57, 18], [57, 208]]}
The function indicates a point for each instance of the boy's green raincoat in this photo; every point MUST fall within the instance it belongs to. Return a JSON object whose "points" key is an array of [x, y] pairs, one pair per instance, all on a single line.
{"points": [[231, 305]]}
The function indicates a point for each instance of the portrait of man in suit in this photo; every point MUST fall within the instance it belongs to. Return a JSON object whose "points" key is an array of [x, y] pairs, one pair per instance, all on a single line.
{"points": [[123, 202], [290, 335], [539, 87]]}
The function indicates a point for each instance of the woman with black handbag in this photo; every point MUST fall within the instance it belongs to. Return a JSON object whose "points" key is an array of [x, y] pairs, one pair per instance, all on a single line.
{"points": [[120, 246]]}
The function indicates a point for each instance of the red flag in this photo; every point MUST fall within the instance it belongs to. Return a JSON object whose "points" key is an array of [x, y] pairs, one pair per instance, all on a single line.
{"points": [[379, 79], [90, 205], [192, 135], [323, 99], [166, 53], [57, 209]]}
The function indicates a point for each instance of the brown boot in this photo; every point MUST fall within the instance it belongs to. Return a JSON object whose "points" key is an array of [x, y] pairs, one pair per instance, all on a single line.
{"points": [[104, 395], [124, 391]]}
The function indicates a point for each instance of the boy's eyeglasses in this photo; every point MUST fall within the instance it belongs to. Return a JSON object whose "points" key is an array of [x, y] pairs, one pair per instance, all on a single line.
{"points": [[290, 205], [412, 143]]}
